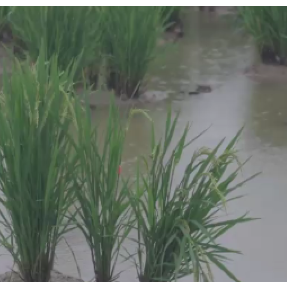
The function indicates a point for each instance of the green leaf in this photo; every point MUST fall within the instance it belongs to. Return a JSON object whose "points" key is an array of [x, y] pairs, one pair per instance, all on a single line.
{"points": [[222, 267]]}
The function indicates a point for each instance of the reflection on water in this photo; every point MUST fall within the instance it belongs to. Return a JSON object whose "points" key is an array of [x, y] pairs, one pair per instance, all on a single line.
{"points": [[213, 53]]}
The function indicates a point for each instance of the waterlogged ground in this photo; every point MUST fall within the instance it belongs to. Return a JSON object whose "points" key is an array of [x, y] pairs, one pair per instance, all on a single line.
{"points": [[213, 53]]}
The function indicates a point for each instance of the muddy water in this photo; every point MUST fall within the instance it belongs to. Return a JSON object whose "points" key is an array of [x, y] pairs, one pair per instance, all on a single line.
{"points": [[213, 53]]}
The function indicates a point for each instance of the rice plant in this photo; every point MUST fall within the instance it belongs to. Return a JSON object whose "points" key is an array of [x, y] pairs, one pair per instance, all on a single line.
{"points": [[171, 14], [4, 10], [268, 26], [69, 32], [130, 41], [35, 166], [178, 222], [101, 191]]}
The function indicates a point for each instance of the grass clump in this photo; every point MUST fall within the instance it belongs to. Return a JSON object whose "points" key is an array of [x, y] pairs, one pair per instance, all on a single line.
{"points": [[35, 170], [177, 222], [130, 42], [268, 26], [101, 191], [69, 32]]}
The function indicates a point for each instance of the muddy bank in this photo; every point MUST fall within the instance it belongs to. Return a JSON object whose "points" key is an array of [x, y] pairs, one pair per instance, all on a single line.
{"points": [[55, 277]]}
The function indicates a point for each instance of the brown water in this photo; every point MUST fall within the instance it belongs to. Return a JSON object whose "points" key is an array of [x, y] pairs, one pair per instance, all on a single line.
{"points": [[213, 53]]}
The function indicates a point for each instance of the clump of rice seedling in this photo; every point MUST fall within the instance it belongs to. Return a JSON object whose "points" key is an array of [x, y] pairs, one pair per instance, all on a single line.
{"points": [[177, 222], [69, 32], [101, 191], [268, 26], [35, 166], [130, 42]]}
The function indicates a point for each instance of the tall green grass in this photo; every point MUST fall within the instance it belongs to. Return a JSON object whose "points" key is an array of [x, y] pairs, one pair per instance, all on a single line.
{"points": [[268, 26], [130, 41], [102, 192], [69, 32], [178, 221], [35, 167]]}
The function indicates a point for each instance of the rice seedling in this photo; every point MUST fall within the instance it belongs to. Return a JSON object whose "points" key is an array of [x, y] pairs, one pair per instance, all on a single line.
{"points": [[130, 42], [177, 222], [103, 211], [69, 32], [268, 26], [35, 166]]}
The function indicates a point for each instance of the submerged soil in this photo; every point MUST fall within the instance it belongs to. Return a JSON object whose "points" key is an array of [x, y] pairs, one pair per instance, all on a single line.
{"points": [[220, 10], [263, 72]]}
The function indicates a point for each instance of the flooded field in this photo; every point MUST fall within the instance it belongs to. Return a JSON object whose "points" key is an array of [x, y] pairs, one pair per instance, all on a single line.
{"points": [[213, 53]]}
